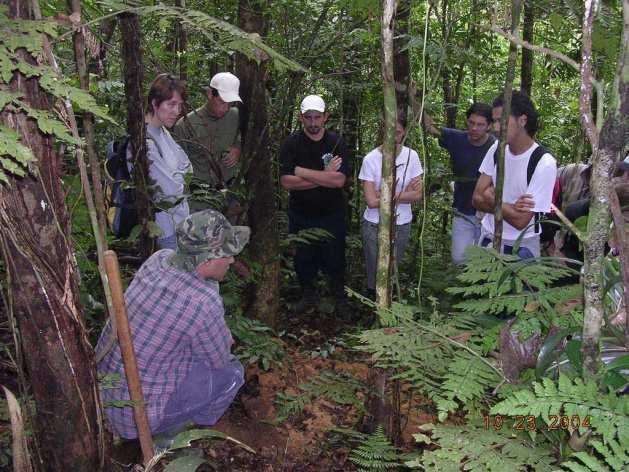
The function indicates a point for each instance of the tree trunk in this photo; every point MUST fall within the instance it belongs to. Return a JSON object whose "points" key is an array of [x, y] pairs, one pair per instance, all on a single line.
{"points": [[181, 38], [42, 296], [88, 129], [377, 412], [612, 141], [387, 189], [516, 7], [401, 61], [264, 244], [133, 76], [526, 69]]}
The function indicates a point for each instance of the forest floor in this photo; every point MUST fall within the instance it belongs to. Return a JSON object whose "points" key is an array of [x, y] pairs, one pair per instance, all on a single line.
{"points": [[310, 439]]}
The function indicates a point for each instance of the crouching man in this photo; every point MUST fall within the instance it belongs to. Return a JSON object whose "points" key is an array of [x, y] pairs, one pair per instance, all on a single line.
{"points": [[179, 333]]}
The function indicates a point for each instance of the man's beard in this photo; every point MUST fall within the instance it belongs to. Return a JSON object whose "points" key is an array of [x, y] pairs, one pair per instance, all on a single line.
{"points": [[313, 129]]}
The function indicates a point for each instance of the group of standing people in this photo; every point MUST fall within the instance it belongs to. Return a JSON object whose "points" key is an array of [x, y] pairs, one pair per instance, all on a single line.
{"points": [[175, 309]]}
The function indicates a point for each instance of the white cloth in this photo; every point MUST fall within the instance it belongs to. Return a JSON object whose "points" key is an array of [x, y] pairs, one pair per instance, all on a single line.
{"points": [[168, 166], [540, 187], [407, 167]]}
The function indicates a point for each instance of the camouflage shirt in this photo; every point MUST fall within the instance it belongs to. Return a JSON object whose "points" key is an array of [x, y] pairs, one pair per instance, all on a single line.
{"points": [[206, 138]]}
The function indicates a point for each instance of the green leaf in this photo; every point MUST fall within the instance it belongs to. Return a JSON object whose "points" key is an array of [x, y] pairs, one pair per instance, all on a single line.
{"points": [[7, 97], [184, 439], [185, 464]]}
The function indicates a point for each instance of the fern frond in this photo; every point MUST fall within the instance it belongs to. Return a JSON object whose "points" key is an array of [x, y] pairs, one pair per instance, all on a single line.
{"points": [[466, 448], [580, 398], [434, 363], [338, 388], [375, 453]]}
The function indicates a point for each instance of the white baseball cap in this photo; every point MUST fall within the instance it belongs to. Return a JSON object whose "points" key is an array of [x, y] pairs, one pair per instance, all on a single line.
{"points": [[312, 102], [227, 85]]}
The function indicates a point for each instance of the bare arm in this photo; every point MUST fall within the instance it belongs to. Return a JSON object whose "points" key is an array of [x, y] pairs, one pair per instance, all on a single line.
{"points": [[517, 214], [483, 197], [329, 177], [292, 182], [429, 125], [412, 193], [372, 196]]}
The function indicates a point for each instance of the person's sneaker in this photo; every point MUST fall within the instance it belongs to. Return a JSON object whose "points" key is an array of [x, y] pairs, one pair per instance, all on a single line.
{"points": [[308, 301]]}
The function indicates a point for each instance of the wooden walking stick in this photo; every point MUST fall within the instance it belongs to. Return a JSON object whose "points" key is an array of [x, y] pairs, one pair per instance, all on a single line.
{"points": [[128, 355]]}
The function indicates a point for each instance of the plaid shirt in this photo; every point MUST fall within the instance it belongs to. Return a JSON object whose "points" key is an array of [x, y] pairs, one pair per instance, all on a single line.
{"points": [[176, 320]]}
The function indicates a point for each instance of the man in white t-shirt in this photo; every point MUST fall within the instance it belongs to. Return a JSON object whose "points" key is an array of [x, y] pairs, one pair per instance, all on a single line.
{"points": [[408, 189], [522, 201]]}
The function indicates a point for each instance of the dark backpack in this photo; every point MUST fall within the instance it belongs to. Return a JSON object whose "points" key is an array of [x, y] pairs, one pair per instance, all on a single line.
{"points": [[120, 193], [530, 170]]}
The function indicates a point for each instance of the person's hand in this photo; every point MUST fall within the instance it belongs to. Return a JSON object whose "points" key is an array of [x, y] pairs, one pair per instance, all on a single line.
{"points": [[334, 165], [414, 185], [231, 158], [525, 202], [490, 193]]}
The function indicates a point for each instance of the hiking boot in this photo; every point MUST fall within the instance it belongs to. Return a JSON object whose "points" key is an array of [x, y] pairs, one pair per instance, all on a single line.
{"points": [[308, 302]]}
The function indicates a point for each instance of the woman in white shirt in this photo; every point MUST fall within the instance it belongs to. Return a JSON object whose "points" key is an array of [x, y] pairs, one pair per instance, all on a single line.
{"points": [[408, 189], [168, 163]]}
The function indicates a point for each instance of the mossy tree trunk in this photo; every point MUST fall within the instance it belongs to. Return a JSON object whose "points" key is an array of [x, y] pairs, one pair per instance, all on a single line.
{"points": [[42, 294], [262, 214], [387, 188], [377, 410], [606, 149]]}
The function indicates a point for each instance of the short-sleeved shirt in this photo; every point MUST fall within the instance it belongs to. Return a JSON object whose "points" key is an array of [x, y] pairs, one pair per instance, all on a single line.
{"points": [[466, 159], [540, 187], [299, 150], [177, 321], [407, 167], [205, 137]]}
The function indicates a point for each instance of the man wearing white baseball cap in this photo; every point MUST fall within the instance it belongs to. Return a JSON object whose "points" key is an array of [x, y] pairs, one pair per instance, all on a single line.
{"points": [[313, 168], [210, 135]]}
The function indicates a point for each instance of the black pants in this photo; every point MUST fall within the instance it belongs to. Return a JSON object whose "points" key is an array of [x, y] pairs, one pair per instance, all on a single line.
{"points": [[328, 255]]}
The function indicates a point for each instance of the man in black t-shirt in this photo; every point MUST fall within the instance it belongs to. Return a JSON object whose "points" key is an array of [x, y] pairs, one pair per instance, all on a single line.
{"points": [[313, 168]]}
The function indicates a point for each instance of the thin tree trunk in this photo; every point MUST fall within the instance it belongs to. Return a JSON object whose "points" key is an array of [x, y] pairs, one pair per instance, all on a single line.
{"points": [[387, 189], [264, 244], [181, 38], [376, 403], [612, 141], [526, 68], [401, 60], [42, 296], [88, 128], [133, 77], [516, 6]]}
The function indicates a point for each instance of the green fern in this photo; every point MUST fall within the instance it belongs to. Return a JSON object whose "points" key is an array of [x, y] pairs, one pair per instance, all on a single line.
{"points": [[341, 389], [613, 456], [498, 283], [478, 450], [375, 453], [579, 398], [428, 356]]}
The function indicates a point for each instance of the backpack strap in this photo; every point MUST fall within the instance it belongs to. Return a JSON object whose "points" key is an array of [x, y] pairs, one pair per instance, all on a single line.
{"points": [[536, 156]]}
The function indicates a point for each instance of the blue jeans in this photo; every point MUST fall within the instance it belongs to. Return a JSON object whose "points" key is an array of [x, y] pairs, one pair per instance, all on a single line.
{"points": [[203, 396], [529, 248], [465, 233]]}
